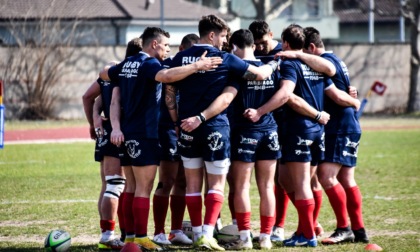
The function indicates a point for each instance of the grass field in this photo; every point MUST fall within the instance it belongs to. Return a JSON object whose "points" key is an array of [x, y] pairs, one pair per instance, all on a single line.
{"points": [[51, 186]]}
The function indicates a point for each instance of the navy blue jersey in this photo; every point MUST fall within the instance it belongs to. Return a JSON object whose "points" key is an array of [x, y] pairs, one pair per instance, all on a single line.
{"points": [[106, 94], [310, 86], [343, 119], [253, 94], [202, 88], [275, 50], [165, 118], [140, 94]]}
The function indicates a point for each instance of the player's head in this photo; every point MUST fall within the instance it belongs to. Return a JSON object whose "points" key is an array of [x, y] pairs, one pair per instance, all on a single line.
{"points": [[226, 47], [188, 41], [156, 42], [240, 40], [293, 37], [133, 47], [263, 36], [213, 30], [313, 40]]}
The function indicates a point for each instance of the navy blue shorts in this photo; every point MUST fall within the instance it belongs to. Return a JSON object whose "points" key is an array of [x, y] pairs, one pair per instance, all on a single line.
{"points": [[250, 146], [104, 147], [140, 152], [208, 142], [342, 148], [305, 147], [168, 142]]}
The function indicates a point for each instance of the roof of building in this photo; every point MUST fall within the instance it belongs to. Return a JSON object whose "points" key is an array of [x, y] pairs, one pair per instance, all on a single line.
{"points": [[357, 11], [177, 10]]}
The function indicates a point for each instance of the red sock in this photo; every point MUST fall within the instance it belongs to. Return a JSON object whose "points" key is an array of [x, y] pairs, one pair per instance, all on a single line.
{"points": [[128, 213], [141, 207], [305, 208], [282, 202], [337, 198], [244, 221], [232, 205], [177, 211], [120, 212], [195, 206], [213, 203], [160, 209], [354, 207], [107, 225], [266, 223], [318, 203]]}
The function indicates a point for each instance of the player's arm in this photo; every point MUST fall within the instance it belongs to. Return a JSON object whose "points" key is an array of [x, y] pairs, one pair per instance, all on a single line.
{"points": [[170, 100], [316, 62], [215, 108], [104, 73], [169, 75], [117, 136], [341, 98], [278, 99], [261, 72], [88, 99], [299, 105]]}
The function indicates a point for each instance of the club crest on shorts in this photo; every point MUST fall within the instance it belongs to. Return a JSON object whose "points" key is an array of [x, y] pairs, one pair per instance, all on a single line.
{"points": [[215, 143], [131, 148], [274, 145]]}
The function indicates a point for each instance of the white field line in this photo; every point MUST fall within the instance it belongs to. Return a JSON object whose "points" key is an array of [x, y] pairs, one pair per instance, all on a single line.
{"points": [[6, 202], [46, 141]]}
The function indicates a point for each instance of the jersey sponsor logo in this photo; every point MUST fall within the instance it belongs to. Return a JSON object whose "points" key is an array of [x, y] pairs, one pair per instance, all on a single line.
{"points": [[344, 67], [186, 137], [186, 60], [310, 74], [260, 85], [130, 69], [131, 148], [248, 140], [245, 151], [301, 152], [305, 142], [215, 143], [274, 145]]}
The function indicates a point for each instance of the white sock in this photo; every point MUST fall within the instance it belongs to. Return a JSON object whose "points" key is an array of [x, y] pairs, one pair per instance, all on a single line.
{"points": [[107, 235], [245, 234], [208, 230], [262, 235]]}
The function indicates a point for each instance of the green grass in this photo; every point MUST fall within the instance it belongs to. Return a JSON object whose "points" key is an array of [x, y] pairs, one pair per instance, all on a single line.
{"points": [[51, 186]]}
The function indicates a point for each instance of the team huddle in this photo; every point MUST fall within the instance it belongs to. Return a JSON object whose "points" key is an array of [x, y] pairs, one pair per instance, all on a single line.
{"points": [[226, 104]]}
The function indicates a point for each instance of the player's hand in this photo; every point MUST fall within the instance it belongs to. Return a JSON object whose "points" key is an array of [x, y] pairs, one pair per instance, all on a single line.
{"points": [[353, 91], [117, 137], [208, 63], [97, 123], [325, 117], [252, 115], [190, 124], [92, 132]]}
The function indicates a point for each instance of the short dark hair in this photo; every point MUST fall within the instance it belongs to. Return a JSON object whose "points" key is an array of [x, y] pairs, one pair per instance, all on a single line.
{"points": [[312, 35], [241, 38], [152, 33], [189, 39], [133, 47], [259, 28], [211, 23], [294, 35]]}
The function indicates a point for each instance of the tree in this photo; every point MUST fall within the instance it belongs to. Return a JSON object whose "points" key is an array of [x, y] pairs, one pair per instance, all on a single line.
{"points": [[35, 66], [411, 12], [266, 9]]}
